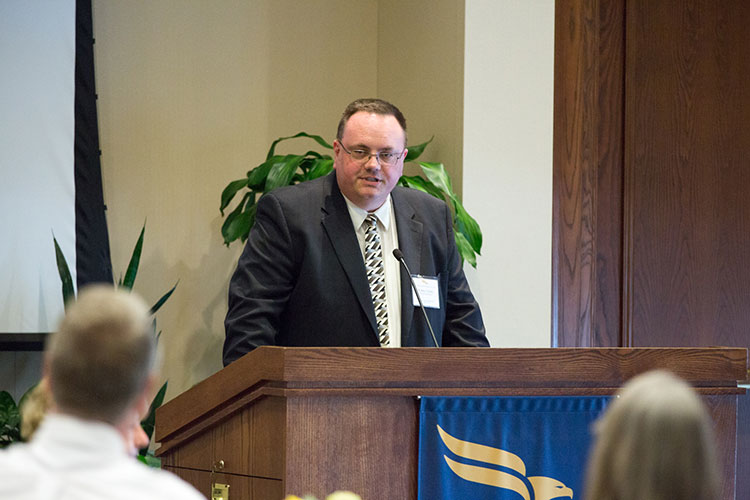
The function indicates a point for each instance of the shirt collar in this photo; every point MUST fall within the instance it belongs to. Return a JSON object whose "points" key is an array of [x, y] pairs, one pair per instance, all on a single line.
{"points": [[63, 437], [359, 215]]}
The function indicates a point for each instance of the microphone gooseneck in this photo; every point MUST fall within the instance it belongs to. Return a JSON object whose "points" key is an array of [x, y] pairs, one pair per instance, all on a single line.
{"points": [[400, 256]]}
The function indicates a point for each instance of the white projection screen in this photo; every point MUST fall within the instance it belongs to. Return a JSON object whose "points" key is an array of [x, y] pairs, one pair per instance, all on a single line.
{"points": [[37, 192]]}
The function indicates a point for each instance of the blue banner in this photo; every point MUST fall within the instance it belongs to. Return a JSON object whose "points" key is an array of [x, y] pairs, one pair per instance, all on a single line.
{"points": [[505, 448]]}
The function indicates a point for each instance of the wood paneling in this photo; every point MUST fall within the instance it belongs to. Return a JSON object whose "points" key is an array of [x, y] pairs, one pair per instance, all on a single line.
{"points": [[320, 419], [587, 179], [362, 444], [247, 442], [240, 487], [651, 223], [687, 144], [651, 148], [268, 431], [447, 370]]}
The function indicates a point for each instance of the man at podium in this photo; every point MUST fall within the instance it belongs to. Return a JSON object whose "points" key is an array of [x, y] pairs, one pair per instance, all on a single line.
{"points": [[319, 267]]}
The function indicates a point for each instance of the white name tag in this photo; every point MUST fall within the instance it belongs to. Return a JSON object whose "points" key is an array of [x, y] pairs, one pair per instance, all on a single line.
{"points": [[428, 290]]}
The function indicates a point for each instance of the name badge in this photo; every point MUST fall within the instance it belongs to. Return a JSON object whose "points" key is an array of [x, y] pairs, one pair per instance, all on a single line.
{"points": [[428, 290]]}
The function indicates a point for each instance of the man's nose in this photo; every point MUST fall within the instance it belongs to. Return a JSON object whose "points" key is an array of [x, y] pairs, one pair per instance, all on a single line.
{"points": [[373, 162]]}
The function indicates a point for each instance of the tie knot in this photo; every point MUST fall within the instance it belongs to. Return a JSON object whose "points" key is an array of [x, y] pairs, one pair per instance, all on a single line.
{"points": [[372, 220]]}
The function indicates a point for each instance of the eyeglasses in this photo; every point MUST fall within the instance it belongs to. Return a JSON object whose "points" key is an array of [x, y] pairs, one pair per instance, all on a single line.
{"points": [[383, 157]]}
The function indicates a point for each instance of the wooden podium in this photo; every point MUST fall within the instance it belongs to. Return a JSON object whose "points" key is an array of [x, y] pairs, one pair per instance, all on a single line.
{"points": [[313, 420]]}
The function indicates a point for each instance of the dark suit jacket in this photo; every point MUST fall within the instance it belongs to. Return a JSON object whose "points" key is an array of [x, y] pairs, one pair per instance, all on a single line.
{"points": [[301, 281]]}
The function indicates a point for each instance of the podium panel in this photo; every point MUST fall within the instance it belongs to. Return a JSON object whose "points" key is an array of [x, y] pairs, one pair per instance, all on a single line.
{"points": [[313, 420]]}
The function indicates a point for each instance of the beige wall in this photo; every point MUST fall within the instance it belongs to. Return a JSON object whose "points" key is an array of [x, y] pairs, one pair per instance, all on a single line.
{"points": [[420, 67], [191, 93]]}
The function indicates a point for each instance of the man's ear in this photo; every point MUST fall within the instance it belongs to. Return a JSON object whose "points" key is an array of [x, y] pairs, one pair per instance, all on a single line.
{"points": [[46, 373], [336, 151], [146, 396]]}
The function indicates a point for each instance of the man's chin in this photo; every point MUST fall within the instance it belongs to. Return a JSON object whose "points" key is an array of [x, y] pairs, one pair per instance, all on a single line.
{"points": [[370, 200]]}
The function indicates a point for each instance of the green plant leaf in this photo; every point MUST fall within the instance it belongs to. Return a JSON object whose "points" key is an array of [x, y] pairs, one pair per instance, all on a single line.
{"points": [[248, 219], [422, 184], [319, 168], [412, 181], [228, 194], [316, 138], [7, 406], [163, 299], [228, 220], [467, 226], [308, 162], [150, 459], [282, 172], [239, 226], [62, 269], [256, 178], [304, 167], [416, 151], [135, 260], [10, 420], [228, 229], [465, 250], [313, 154], [148, 422], [436, 174]]}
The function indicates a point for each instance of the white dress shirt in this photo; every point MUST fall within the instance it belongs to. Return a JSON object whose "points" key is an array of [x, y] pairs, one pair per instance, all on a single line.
{"points": [[69, 458], [388, 242]]}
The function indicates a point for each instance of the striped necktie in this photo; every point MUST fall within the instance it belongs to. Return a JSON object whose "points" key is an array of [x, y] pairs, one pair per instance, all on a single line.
{"points": [[376, 277]]}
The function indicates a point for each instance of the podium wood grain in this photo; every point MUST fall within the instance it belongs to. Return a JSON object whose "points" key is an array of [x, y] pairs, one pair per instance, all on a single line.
{"points": [[313, 420]]}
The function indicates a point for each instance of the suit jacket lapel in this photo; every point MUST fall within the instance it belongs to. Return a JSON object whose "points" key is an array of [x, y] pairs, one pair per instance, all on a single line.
{"points": [[338, 226], [410, 242]]}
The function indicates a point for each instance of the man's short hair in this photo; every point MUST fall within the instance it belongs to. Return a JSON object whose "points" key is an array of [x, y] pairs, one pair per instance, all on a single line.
{"points": [[102, 354], [371, 105]]}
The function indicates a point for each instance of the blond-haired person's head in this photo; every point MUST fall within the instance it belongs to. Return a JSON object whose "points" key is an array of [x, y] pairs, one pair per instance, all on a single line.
{"points": [[100, 362], [654, 442]]}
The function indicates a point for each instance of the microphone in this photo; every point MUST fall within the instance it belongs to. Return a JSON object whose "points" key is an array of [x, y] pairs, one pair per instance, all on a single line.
{"points": [[400, 256]]}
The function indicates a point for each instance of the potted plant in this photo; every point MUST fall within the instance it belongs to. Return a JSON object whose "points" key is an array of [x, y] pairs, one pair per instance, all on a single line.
{"points": [[282, 170], [127, 282]]}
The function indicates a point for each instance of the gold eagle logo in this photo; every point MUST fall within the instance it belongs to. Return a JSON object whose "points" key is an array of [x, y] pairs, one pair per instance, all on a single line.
{"points": [[544, 488]]}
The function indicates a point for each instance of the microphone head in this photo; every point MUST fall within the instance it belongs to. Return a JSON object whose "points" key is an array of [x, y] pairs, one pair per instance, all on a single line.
{"points": [[397, 253]]}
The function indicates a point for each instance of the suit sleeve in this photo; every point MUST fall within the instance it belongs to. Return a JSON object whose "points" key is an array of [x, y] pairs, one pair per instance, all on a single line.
{"points": [[261, 284], [463, 326]]}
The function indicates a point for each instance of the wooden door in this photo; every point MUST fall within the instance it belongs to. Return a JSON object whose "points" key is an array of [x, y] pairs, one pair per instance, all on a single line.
{"points": [[651, 222]]}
